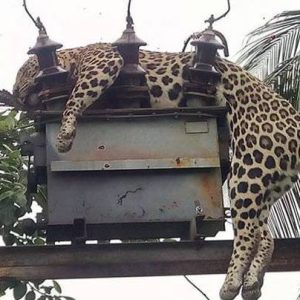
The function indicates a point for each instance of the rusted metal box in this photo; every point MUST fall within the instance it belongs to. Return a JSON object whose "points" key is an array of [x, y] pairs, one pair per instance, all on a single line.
{"points": [[136, 177]]}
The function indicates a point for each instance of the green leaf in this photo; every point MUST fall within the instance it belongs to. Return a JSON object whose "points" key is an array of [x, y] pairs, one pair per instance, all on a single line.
{"points": [[8, 123], [13, 113], [39, 241], [37, 283], [20, 212], [30, 296], [56, 286], [20, 290], [6, 195], [20, 198], [9, 239], [8, 148], [40, 198], [47, 289], [7, 213], [4, 285]]}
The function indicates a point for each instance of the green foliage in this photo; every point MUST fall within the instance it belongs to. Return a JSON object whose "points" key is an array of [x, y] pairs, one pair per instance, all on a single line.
{"points": [[20, 290], [30, 295], [57, 286], [13, 201], [34, 290], [15, 204]]}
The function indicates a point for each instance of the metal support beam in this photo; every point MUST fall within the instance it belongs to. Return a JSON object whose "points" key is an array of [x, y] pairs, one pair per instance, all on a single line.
{"points": [[135, 259]]}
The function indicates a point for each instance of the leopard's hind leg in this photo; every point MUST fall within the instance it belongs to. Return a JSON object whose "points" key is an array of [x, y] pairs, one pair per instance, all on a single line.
{"points": [[253, 279], [246, 234]]}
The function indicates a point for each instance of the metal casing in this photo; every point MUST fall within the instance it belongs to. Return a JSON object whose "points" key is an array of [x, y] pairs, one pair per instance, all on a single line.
{"points": [[134, 171]]}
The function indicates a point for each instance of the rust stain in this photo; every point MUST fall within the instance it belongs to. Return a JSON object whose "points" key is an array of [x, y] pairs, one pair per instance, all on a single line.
{"points": [[169, 206], [181, 162], [209, 189]]}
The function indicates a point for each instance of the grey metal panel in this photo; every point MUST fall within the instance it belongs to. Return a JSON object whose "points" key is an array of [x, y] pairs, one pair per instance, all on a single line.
{"points": [[133, 197], [143, 138]]}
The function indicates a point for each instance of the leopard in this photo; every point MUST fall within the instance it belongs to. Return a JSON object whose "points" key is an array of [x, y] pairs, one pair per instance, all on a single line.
{"points": [[264, 139]]}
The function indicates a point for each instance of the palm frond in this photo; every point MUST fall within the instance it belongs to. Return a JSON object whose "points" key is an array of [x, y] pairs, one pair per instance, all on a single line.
{"points": [[285, 80], [271, 44], [284, 221]]}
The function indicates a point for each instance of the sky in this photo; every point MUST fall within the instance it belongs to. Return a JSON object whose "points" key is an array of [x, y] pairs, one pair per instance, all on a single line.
{"points": [[164, 25]]}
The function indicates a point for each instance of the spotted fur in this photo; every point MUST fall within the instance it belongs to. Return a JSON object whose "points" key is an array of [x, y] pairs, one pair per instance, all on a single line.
{"points": [[265, 135]]}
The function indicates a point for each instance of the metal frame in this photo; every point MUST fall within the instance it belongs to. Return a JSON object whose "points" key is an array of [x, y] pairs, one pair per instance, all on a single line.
{"points": [[132, 259]]}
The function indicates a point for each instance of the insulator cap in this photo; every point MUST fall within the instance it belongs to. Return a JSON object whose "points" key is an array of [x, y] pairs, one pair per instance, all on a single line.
{"points": [[208, 38], [43, 42], [129, 38]]}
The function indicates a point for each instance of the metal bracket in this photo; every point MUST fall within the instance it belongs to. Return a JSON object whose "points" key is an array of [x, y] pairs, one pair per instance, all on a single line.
{"points": [[79, 231], [135, 164]]}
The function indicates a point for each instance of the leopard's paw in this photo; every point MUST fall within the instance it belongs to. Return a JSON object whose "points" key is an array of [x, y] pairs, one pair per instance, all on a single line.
{"points": [[230, 289], [65, 139], [252, 292]]}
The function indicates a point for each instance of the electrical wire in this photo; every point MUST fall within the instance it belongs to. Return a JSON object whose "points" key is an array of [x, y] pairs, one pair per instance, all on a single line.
{"points": [[198, 289], [229, 222], [38, 23]]}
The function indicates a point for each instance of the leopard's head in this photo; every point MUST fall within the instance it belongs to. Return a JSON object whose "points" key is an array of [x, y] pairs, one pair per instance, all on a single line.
{"points": [[25, 86]]}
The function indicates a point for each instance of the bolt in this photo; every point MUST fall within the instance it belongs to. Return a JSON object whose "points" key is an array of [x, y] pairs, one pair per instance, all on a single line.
{"points": [[199, 210], [227, 213]]}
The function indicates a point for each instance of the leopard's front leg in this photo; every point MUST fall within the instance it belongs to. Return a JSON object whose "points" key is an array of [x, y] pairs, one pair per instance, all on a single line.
{"points": [[99, 67]]}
